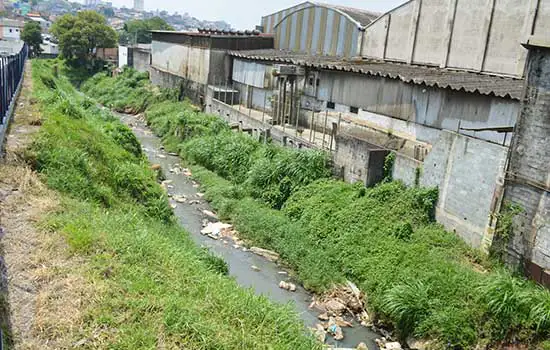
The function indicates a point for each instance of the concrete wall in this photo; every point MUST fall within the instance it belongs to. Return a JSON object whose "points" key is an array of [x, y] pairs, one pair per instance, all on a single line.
{"points": [[360, 160], [528, 178], [467, 172], [477, 35], [189, 89], [141, 60], [191, 63]]}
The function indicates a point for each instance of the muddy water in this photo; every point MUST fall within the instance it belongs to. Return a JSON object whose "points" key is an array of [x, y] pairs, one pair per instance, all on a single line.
{"points": [[266, 280]]}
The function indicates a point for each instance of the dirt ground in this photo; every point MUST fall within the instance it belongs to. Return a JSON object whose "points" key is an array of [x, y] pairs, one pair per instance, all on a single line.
{"points": [[43, 288]]}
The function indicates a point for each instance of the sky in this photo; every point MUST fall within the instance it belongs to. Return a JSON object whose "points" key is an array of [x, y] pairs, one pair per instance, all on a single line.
{"points": [[246, 14]]}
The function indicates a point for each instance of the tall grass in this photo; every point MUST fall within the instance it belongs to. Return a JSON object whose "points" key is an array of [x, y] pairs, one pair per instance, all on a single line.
{"points": [[154, 287], [419, 279], [130, 92]]}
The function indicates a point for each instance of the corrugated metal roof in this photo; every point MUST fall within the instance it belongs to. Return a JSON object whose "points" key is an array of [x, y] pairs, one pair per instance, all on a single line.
{"points": [[430, 76], [363, 17]]}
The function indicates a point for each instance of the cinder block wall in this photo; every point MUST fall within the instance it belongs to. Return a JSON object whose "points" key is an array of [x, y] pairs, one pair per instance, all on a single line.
{"points": [[528, 180]]}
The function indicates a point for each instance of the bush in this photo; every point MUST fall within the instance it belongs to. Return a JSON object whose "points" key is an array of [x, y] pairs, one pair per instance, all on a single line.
{"points": [[152, 284], [83, 155], [417, 276]]}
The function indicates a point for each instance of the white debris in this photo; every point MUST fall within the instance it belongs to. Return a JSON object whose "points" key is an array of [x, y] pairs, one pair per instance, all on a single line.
{"points": [[216, 229], [291, 287], [268, 254], [210, 214]]}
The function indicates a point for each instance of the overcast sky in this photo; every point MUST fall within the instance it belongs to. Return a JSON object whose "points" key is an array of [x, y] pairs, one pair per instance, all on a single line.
{"points": [[245, 14]]}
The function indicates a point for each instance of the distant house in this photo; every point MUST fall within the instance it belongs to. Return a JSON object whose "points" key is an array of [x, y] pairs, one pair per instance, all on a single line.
{"points": [[10, 29], [44, 24]]}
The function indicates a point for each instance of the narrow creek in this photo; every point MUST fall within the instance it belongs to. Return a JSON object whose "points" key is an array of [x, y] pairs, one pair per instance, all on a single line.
{"points": [[265, 279]]}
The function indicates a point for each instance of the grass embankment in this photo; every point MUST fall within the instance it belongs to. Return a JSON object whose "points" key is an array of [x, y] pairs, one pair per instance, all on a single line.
{"points": [[153, 287], [421, 279]]}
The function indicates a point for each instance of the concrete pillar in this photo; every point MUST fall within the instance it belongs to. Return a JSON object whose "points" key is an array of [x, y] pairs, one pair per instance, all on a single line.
{"points": [[528, 176]]}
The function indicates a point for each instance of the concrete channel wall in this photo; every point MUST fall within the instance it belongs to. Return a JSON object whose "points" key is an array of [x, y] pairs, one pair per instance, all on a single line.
{"points": [[467, 171]]}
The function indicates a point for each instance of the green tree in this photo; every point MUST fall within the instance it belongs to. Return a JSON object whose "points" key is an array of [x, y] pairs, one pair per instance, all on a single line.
{"points": [[81, 34], [138, 31], [32, 36]]}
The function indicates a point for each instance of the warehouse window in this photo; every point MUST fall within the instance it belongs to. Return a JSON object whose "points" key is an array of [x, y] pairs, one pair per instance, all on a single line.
{"points": [[354, 110], [331, 105]]}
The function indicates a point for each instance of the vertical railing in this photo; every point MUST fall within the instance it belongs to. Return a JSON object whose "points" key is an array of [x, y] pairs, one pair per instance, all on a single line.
{"points": [[11, 74]]}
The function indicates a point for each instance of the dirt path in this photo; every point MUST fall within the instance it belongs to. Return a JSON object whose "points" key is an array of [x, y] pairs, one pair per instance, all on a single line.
{"points": [[43, 291]]}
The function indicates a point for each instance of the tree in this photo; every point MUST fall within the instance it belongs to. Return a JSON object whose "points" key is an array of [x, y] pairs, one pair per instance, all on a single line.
{"points": [[138, 31], [32, 36], [81, 34]]}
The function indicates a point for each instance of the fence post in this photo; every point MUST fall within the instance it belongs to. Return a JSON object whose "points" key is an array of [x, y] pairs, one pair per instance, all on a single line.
{"points": [[325, 128]]}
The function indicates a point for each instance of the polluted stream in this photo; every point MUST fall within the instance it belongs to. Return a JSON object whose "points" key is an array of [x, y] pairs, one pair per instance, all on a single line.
{"points": [[248, 269]]}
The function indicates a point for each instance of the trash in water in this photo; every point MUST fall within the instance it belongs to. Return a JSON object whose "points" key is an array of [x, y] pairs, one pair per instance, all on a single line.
{"points": [[210, 214], [335, 330], [186, 172], [268, 254], [255, 268], [320, 333], [180, 198], [291, 287], [217, 229], [323, 317]]}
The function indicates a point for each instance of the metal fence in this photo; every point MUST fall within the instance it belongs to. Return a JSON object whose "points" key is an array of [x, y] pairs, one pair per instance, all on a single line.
{"points": [[11, 74]]}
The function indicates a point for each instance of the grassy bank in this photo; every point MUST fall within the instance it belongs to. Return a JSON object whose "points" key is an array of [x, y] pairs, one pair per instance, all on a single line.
{"points": [[153, 287], [418, 278]]}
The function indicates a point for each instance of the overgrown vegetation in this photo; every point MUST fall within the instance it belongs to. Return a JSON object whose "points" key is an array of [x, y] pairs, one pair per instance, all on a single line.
{"points": [[130, 92], [154, 287], [418, 278]]}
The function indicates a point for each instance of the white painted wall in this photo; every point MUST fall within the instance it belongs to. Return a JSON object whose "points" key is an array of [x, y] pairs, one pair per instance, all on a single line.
{"points": [[122, 56], [11, 33]]}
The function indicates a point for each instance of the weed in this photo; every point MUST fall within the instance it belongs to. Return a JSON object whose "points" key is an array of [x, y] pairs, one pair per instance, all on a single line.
{"points": [[416, 275], [152, 286]]}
